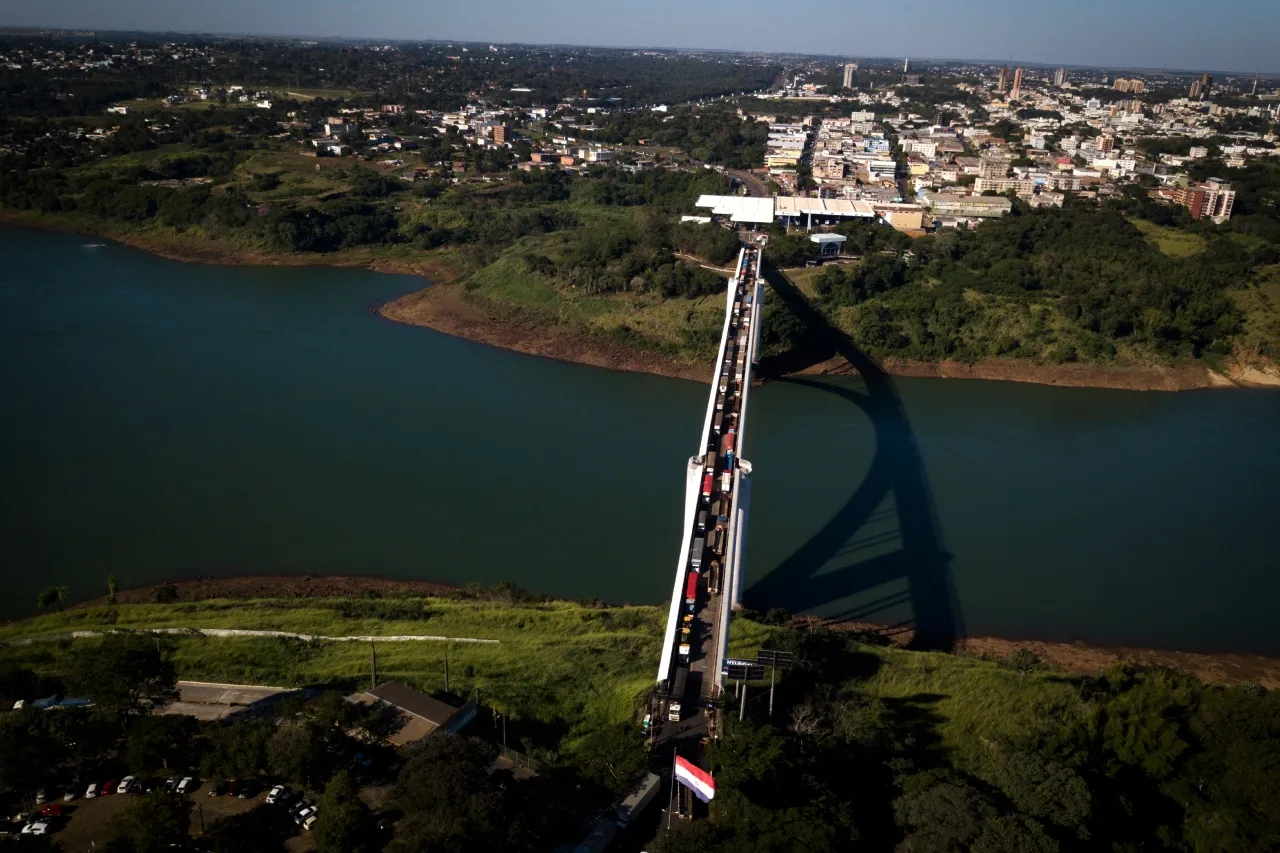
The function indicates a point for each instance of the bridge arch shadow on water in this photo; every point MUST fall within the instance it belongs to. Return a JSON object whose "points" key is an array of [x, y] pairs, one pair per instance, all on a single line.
{"points": [[801, 582]]}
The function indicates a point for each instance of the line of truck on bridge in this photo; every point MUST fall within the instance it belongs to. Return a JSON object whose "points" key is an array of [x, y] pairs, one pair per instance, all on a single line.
{"points": [[716, 496]]}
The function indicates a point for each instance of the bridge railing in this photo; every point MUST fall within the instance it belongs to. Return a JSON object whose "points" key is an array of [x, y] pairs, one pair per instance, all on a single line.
{"points": [[693, 480]]}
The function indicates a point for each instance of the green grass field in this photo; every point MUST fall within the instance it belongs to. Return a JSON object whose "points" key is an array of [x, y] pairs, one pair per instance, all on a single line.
{"points": [[554, 662], [1260, 304], [687, 330], [1171, 241], [558, 663]]}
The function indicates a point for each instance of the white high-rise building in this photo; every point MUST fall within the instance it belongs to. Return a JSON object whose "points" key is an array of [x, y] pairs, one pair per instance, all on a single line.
{"points": [[850, 70]]}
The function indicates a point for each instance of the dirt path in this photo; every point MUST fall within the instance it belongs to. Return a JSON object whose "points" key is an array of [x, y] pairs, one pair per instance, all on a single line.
{"points": [[245, 632]]}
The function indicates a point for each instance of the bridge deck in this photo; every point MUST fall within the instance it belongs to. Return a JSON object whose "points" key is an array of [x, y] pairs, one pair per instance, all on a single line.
{"points": [[715, 510]]}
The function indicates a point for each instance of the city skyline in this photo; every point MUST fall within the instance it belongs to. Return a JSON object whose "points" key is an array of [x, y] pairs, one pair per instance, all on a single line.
{"points": [[1096, 34]]}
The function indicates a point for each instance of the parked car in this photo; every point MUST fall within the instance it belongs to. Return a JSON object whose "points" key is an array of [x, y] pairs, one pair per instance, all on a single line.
{"points": [[304, 814], [233, 788], [276, 793], [42, 796], [187, 784], [309, 822], [37, 828], [249, 789], [71, 792], [337, 749], [362, 759], [172, 782], [51, 810], [91, 791], [218, 788], [109, 788], [126, 785]]}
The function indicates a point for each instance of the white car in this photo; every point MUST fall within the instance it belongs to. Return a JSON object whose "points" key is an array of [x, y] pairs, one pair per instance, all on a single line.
{"points": [[91, 791], [185, 785], [39, 828], [301, 816], [126, 785], [309, 822], [276, 793]]}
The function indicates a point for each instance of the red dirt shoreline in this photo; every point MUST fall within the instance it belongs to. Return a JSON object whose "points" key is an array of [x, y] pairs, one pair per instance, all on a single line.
{"points": [[443, 307]]}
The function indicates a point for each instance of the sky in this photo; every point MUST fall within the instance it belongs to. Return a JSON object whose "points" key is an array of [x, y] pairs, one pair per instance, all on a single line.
{"points": [[1225, 35]]}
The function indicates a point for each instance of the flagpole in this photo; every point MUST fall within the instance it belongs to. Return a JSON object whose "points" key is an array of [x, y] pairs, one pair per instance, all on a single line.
{"points": [[671, 798]]}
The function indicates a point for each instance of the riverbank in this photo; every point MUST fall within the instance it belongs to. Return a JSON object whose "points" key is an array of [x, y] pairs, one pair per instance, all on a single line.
{"points": [[324, 591], [445, 307], [1083, 659]]}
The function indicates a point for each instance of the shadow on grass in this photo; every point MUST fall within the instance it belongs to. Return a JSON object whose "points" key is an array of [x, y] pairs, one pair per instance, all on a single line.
{"points": [[264, 829], [896, 473]]}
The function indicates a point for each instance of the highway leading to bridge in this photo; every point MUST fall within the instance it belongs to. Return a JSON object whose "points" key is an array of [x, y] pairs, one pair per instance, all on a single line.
{"points": [[709, 568]]}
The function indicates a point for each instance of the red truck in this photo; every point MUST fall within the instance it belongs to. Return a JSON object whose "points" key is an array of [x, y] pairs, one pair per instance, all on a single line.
{"points": [[706, 486]]}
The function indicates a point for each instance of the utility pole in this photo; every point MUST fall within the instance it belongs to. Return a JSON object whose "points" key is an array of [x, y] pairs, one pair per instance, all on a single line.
{"points": [[671, 799], [771, 675], [373, 666], [742, 708], [446, 668]]}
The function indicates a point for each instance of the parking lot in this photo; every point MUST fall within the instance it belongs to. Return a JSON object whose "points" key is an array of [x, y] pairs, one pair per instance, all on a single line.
{"points": [[84, 824]]}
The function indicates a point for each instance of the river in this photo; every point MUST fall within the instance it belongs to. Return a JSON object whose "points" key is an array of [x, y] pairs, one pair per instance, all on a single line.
{"points": [[166, 420]]}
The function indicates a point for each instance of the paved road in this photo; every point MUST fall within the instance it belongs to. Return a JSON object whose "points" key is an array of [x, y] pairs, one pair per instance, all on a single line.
{"points": [[212, 701], [755, 186]]}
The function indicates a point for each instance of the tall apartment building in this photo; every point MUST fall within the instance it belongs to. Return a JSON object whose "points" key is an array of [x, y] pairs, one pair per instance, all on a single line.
{"points": [[1197, 89], [993, 169], [1133, 87], [500, 133], [1004, 80], [828, 168], [1017, 83], [1212, 199], [1106, 143], [906, 66], [1022, 186], [850, 69], [1060, 77]]}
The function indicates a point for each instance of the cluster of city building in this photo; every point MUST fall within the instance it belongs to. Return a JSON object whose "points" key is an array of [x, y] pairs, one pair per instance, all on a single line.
{"points": [[1037, 137]]}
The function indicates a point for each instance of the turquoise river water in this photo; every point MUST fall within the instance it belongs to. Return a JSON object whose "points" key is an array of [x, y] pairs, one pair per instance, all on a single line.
{"points": [[164, 420]]}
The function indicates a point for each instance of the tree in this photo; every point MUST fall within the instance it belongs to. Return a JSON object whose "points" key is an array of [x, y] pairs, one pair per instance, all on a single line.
{"points": [[1022, 661], [152, 823], [946, 817], [343, 822], [52, 595], [26, 750], [112, 588], [1039, 788], [126, 676], [612, 757], [297, 751], [237, 748], [451, 801], [154, 742], [1013, 834]]}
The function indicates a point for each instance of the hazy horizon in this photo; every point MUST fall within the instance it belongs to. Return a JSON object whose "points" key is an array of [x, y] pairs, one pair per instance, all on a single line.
{"points": [[1139, 34]]}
